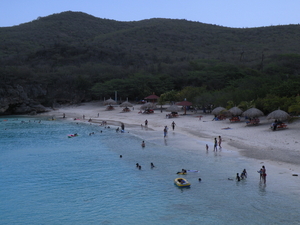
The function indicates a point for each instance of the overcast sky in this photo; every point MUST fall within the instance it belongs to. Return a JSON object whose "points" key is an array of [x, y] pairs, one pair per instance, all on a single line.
{"points": [[229, 13]]}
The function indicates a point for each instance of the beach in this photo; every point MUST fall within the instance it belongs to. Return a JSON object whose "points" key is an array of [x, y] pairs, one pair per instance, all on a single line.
{"points": [[278, 150]]}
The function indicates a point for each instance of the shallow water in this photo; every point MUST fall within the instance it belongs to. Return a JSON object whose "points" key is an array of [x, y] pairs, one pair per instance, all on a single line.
{"points": [[47, 178]]}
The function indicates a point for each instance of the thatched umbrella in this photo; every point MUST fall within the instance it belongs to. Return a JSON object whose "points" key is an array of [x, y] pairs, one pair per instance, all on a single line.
{"points": [[173, 108], [184, 104], [253, 112], [148, 106], [278, 115], [126, 104], [217, 110], [110, 102], [235, 111], [225, 113]]}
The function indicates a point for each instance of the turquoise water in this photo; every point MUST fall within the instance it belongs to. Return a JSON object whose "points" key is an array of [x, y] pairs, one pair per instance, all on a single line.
{"points": [[47, 178]]}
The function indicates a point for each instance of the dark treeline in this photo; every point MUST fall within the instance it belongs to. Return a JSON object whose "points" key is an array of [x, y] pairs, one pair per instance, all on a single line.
{"points": [[75, 54]]}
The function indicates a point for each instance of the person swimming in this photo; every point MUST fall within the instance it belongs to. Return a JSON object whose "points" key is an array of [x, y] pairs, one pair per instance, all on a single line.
{"points": [[238, 177]]}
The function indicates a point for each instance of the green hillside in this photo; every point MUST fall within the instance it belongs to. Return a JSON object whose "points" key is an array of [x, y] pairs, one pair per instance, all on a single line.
{"points": [[90, 58]]}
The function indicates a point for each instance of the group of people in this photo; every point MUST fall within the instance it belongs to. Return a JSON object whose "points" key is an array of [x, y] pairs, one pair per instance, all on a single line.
{"points": [[276, 124], [242, 177], [140, 167], [263, 174], [217, 142], [103, 123]]}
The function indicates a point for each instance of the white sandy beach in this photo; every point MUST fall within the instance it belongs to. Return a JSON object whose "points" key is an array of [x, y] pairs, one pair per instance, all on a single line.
{"points": [[278, 150]]}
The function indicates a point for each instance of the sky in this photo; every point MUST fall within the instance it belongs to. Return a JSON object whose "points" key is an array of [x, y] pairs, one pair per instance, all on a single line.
{"points": [[228, 13]]}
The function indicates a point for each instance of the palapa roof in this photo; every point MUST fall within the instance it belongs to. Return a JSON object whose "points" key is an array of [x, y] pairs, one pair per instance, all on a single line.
{"points": [[253, 112], [126, 104], [173, 108], [278, 115], [235, 111], [216, 111]]}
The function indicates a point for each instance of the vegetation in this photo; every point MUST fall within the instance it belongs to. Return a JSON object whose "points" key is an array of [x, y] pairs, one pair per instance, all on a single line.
{"points": [[207, 64]]}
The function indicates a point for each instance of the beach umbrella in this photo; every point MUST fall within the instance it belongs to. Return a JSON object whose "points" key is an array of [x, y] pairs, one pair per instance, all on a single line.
{"points": [[217, 110], [110, 102], [184, 104], [225, 113], [148, 106], [253, 112], [278, 115], [173, 108], [126, 104], [235, 111]]}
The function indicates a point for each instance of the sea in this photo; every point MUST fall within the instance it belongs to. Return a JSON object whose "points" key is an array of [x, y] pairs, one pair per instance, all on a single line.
{"points": [[46, 177]]}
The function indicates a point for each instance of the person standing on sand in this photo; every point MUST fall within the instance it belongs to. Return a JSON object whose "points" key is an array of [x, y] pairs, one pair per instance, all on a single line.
{"points": [[216, 145], [220, 141], [173, 125], [146, 122]]}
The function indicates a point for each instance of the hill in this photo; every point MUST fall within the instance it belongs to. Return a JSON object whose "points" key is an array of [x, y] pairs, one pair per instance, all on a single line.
{"points": [[66, 54]]}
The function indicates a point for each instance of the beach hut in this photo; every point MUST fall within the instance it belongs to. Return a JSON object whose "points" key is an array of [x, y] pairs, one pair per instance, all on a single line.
{"points": [[152, 97], [184, 104]]}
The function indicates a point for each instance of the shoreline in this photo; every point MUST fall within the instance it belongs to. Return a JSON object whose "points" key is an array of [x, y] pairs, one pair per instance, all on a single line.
{"points": [[279, 149]]}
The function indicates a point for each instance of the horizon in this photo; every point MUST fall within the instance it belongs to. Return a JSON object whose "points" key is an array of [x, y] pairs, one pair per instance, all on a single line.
{"points": [[233, 15]]}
